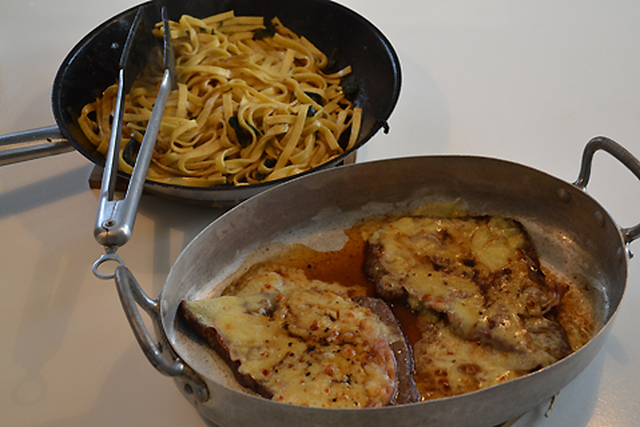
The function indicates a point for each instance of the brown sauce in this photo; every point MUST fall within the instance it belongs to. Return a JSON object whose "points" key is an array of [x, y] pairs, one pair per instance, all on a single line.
{"points": [[345, 266]]}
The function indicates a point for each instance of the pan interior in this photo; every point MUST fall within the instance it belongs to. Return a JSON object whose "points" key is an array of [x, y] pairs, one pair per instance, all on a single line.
{"points": [[572, 233]]}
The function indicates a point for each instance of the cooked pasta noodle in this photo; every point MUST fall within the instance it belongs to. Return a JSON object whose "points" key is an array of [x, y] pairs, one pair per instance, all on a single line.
{"points": [[252, 104]]}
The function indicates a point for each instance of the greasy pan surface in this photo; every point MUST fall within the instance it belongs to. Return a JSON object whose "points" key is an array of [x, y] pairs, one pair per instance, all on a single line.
{"points": [[571, 231], [92, 66]]}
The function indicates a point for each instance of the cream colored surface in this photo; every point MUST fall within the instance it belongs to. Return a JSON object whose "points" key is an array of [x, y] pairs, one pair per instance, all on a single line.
{"points": [[529, 81]]}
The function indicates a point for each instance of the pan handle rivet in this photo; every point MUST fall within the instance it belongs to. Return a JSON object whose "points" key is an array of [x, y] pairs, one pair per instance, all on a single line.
{"points": [[599, 218], [188, 389], [564, 195]]}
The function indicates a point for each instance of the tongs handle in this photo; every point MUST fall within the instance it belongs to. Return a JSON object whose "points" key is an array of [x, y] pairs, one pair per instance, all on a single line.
{"points": [[116, 218]]}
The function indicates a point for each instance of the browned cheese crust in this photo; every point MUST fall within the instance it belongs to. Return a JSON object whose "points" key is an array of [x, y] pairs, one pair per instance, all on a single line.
{"points": [[304, 342], [486, 310]]}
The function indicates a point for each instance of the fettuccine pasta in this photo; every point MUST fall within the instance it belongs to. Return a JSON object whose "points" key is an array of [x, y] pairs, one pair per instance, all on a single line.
{"points": [[252, 104]]}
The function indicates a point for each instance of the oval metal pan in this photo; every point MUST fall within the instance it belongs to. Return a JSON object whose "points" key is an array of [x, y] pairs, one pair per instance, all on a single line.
{"points": [[92, 66], [571, 232]]}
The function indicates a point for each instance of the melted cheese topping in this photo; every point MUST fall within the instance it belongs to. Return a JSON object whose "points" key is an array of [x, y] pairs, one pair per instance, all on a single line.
{"points": [[482, 275], [448, 365], [304, 342]]}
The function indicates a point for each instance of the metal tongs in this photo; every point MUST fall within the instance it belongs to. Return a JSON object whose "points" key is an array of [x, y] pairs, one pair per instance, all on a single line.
{"points": [[116, 218]]}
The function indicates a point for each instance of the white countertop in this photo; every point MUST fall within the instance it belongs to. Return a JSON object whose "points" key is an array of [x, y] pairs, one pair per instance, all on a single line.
{"points": [[528, 81]]}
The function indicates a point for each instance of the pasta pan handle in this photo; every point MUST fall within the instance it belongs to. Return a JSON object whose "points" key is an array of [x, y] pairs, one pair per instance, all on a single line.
{"points": [[621, 154], [160, 354], [32, 144]]}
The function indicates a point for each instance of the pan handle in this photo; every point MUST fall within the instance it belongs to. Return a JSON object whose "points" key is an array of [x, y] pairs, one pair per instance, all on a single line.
{"points": [[32, 144], [160, 354], [621, 154]]}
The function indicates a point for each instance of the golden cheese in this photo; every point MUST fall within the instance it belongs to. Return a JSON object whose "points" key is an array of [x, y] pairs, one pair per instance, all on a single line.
{"points": [[304, 341], [479, 280], [448, 365]]}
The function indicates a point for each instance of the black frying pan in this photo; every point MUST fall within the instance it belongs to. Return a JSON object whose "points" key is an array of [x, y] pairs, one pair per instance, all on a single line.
{"points": [[92, 66]]}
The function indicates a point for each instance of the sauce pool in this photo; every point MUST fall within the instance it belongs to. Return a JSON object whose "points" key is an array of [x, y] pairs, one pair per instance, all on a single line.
{"points": [[346, 266]]}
